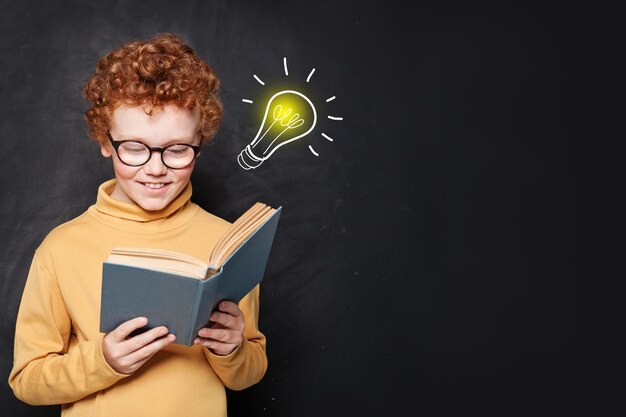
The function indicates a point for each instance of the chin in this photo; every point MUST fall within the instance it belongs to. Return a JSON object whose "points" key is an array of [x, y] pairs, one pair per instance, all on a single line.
{"points": [[153, 205]]}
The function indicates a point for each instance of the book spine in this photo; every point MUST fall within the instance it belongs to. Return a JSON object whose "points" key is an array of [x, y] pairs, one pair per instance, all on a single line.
{"points": [[194, 316]]}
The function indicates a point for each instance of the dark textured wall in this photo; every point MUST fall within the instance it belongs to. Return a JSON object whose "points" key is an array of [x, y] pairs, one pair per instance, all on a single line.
{"points": [[423, 260]]}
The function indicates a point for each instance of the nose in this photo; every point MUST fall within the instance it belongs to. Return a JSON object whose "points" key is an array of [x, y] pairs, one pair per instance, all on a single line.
{"points": [[155, 165]]}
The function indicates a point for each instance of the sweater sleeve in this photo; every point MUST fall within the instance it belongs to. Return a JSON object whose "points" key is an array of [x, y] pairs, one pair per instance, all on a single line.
{"points": [[246, 365], [45, 369]]}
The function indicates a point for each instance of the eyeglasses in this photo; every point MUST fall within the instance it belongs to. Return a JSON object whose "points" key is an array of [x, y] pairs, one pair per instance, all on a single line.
{"points": [[134, 153]]}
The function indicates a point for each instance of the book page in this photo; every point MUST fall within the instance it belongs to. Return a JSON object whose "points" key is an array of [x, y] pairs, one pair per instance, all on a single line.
{"points": [[159, 260], [246, 229], [181, 264], [239, 232], [251, 212]]}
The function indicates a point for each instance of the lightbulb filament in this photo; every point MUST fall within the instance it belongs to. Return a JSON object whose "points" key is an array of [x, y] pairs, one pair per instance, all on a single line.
{"points": [[294, 122], [277, 112], [279, 115], [289, 123]]}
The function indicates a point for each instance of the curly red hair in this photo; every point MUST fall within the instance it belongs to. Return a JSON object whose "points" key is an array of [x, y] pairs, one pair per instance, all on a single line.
{"points": [[162, 70]]}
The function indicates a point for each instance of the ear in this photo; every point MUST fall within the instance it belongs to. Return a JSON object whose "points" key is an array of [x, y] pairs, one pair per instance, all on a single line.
{"points": [[105, 149]]}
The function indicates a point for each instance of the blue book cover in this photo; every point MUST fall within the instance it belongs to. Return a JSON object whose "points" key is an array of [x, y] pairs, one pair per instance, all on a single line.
{"points": [[181, 303]]}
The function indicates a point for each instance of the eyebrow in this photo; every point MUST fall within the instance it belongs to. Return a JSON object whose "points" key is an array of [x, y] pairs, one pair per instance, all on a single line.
{"points": [[185, 140]]}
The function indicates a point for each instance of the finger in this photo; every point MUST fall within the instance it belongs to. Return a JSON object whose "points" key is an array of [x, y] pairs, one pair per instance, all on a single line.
{"points": [[217, 347], [141, 356], [123, 330], [220, 335], [223, 319], [143, 339], [230, 308]]}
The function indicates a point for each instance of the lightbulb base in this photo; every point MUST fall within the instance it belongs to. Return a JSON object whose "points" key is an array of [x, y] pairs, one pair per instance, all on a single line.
{"points": [[247, 160]]}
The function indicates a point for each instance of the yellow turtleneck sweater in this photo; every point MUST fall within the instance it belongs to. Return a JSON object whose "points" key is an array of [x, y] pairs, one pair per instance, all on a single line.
{"points": [[58, 355]]}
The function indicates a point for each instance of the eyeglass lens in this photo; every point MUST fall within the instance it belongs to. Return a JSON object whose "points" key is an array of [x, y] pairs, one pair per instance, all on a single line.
{"points": [[137, 153]]}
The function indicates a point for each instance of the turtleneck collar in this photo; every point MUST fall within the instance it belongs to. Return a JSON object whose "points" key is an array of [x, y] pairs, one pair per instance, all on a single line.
{"points": [[126, 215]]}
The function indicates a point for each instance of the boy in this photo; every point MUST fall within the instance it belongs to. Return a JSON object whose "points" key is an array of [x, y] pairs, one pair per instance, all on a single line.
{"points": [[152, 105]]}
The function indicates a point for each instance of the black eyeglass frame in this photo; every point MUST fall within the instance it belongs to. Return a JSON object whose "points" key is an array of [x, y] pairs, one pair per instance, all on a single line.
{"points": [[116, 144]]}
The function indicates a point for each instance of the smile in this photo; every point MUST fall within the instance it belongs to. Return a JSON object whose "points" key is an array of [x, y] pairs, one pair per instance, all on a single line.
{"points": [[154, 185]]}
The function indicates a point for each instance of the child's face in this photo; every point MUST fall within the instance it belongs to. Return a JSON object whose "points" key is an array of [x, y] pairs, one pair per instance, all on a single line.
{"points": [[152, 186]]}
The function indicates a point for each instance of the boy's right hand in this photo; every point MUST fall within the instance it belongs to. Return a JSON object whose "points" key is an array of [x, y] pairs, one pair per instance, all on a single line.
{"points": [[126, 355]]}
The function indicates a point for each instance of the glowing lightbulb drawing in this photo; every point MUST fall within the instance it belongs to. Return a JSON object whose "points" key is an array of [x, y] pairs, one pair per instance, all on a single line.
{"points": [[289, 116]]}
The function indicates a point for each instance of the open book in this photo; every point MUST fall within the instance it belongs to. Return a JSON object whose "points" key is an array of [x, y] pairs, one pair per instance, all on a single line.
{"points": [[179, 291]]}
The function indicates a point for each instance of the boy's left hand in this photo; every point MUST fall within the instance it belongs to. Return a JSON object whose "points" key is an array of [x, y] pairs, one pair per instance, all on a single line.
{"points": [[227, 332]]}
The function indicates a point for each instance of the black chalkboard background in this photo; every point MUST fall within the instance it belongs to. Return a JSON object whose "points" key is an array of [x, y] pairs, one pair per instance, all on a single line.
{"points": [[424, 260]]}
